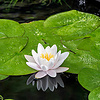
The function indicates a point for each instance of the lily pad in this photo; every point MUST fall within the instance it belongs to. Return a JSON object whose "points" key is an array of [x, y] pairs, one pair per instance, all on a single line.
{"points": [[11, 54], [10, 28], [95, 94], [89, 78], [3, 77], [96, 47], [11, 46], [73, 31], [70, 18], [78, 32]]}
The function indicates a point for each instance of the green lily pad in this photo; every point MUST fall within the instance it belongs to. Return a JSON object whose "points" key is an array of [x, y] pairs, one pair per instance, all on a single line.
{"points": [[70, 18], [78, 35], [10, 28], [89, 78], [11, 54], [80, 57], [95, 49], [73, 24], [95, 94], [3, 77], [73, 31]]}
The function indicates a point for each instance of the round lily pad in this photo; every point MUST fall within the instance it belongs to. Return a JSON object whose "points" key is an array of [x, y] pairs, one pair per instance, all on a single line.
{"points": [[72, 31], [95, 94], [89, 78]]}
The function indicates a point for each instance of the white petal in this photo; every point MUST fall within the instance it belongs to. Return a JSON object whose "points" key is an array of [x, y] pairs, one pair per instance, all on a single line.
{"points": [[54, 49], [61, 69], [40, 49], [44, 68], [61, 59], [29, 58], [58, 64], [55, 57], [48, 50], [33, 65], [51, 73], [64, 55], [36, 57], [58, 55], [40, 74], [50, 64], [43, 61]]}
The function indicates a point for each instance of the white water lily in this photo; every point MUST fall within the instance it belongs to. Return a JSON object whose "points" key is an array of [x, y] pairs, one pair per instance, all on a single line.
{"points": [[47, 61]]}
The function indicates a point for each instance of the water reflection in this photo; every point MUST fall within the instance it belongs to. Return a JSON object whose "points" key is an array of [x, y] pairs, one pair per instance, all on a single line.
{"points": [[46, 82], [16, 88]]}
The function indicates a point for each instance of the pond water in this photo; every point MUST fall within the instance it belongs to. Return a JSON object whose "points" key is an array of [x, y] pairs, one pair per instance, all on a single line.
{"points": [[15, 87], [26, 12]]}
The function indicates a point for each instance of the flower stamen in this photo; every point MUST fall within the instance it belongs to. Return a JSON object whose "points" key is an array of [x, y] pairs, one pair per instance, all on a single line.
{"points": [[46, 56]]}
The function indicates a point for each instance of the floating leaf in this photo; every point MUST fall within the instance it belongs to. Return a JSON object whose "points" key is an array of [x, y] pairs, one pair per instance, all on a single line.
{"points": [[89, 78], [73, 24], [72, 31], [78, 32], [3, 77], [10, 28], [11, 47], [95, 94], [12, 60], [95, 49]]}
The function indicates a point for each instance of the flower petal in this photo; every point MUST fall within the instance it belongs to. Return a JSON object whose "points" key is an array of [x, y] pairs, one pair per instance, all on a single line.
{"points": [[60, 59], [40, 74], [64, 55], [54, 49], [33, 65], [40, 49], [47, 49], [51, 73], [43, 61], [44, 68], [57, 56], [56, 59], [61, 69], [50, 63], [58, 64], [36, 57], [29, 58]]}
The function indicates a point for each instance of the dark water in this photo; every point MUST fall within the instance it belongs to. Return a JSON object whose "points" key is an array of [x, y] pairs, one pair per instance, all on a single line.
{"points": [[15, 87], [26, 12]]}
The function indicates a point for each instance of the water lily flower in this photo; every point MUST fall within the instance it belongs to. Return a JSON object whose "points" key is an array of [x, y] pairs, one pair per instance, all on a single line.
{"points": [[47, 61]]}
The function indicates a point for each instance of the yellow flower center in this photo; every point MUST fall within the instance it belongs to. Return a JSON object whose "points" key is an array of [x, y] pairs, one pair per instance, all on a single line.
{"points": [[46, 56]]}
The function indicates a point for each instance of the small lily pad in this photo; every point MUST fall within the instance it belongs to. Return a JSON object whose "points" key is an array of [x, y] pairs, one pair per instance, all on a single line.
{"points": [[3, 77], [95, 94], [89, 78]]}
